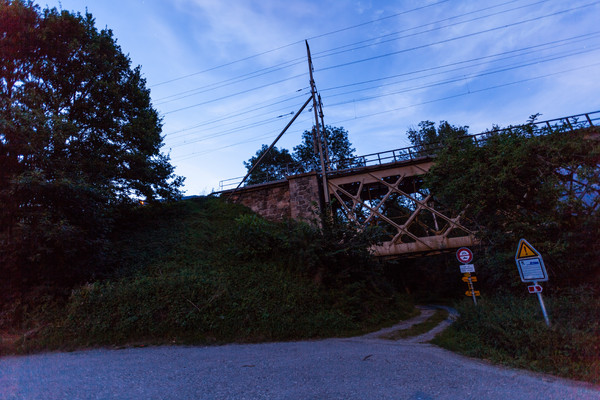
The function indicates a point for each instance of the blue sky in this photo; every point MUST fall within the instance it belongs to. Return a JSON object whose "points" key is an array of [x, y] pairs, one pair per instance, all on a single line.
{"points": [[226, 75]]}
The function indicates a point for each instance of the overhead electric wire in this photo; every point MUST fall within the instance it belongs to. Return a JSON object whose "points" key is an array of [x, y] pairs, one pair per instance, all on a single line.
{"points": [[393, 53], [300, 41], [453, 80], [406, 90], [580, 37], [254, 139], [301, 60], [468, 93], [270, 113], [556, 43], [455, 38], [228, 96], [233, 115], [232, 130], [332, 52]]}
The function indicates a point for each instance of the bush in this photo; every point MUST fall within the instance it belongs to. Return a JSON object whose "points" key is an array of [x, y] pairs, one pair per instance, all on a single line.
{"points": [[511, 330]]}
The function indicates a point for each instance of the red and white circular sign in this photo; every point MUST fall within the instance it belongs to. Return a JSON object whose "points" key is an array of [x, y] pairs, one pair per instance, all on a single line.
{"points": [[464, 255]]}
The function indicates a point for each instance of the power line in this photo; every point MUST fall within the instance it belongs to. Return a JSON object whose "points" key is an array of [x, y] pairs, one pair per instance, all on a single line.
{"points": [[453, 80], [455, 38], [389, 54], [580, 37], [332, 52], [254, 139], [300, 60], [470, 92], [520, 52], [237, 114], [568, 41], [299, 41]]}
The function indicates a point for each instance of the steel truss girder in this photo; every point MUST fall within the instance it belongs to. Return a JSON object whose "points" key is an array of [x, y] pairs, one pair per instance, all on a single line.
{"points": [[396, 246]]}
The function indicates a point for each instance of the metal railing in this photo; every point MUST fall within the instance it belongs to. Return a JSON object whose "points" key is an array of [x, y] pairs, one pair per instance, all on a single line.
{"points": [[533, 128]]}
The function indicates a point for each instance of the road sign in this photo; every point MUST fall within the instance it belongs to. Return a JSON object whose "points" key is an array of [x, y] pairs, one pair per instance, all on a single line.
{"points": [[466, 278], [467, 268], [534, 289], [530, 263], [469, 293], [532, 269], [526, 250], [464, 255]]}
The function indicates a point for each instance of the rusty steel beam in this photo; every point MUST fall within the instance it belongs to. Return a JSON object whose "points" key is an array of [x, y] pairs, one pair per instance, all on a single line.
{"points": [[424, 244]]}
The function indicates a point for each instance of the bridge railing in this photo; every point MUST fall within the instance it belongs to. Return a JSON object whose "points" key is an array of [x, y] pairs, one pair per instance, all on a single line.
{"points": [[534, 128]]}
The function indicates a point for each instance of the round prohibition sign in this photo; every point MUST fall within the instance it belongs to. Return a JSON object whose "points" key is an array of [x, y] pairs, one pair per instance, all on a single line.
{"points": [[464, 255]]}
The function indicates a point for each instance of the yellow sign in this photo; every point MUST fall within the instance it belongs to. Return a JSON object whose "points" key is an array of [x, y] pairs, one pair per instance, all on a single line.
{"points": [[526, 250], [466, 278], [468, 293]]}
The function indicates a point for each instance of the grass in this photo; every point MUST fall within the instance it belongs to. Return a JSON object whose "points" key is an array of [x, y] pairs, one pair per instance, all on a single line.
{"points": [[206, 272], [420, 328], [510, 330]]}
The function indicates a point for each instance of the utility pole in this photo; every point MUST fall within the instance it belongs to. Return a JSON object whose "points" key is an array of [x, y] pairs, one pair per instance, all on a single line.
{"points": [[317, 135], [325, 145]]}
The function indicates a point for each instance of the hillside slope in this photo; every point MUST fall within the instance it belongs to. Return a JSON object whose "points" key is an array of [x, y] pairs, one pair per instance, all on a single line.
{"points": [[204, 271]]}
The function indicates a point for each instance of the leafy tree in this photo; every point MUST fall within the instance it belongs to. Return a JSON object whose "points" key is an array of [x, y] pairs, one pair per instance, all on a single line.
{"points": [[428, 139], [279, 162], [78, 137], [338, 146], [272, 167], [521, 184]]}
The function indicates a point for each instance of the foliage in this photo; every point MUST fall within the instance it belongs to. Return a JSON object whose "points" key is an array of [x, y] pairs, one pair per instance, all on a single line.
{"points": [[279, 162], [429, 140], [338, 148], [511, 330], [221, 274], [272, 167], [78, 136], [516, 184]]}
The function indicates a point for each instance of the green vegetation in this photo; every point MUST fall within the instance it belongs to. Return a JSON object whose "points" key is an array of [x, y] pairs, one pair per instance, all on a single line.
{"points": [[279, 162], [420, 328], [79, 139], [523, 182], [203, 271], [510, 330]]}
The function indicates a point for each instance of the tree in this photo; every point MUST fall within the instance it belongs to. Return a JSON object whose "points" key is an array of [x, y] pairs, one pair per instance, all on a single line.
{"points": [[429, 140], [338, 146], [78, 137], [519, 183], [273, 167], [279, 163]]}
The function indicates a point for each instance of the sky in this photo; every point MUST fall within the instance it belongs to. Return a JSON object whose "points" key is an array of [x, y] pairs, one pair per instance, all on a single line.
{"points": [[227, 76]]}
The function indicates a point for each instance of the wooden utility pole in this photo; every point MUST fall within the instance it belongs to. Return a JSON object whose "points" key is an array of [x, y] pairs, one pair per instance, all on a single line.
{"points": [[317, 136]]}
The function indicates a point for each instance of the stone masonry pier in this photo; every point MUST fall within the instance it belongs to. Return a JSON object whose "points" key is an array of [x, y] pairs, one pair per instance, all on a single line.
{"points": [[296, 197]]}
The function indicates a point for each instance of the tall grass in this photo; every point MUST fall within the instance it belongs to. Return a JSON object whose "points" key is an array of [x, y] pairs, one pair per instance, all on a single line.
{"points": [[510, 330], [203, 271]]}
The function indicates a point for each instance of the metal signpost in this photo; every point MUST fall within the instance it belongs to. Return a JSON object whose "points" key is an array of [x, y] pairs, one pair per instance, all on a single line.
{"points": [[532, 269], [465, 256]]}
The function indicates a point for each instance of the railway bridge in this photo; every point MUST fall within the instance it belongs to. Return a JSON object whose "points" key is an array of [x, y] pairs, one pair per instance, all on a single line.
{"points": [[383, 189]]}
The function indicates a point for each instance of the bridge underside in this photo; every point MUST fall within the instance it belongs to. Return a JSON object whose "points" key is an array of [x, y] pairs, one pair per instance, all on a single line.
{"points": [[392, 197]]}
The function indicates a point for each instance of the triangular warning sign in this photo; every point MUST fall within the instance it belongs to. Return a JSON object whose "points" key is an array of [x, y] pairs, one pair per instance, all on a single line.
{"points": [[526, 250]]}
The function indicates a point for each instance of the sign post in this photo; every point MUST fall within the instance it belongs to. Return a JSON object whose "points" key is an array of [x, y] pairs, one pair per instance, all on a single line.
{"points": [[465, 256], [532, 269]]}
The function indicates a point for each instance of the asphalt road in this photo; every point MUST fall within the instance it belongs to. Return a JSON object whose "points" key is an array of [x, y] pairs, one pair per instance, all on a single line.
{"points": [[355, 368]]}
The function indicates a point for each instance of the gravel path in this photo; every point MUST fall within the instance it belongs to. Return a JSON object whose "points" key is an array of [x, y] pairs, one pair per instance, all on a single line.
{"points": [[354, 368]]}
